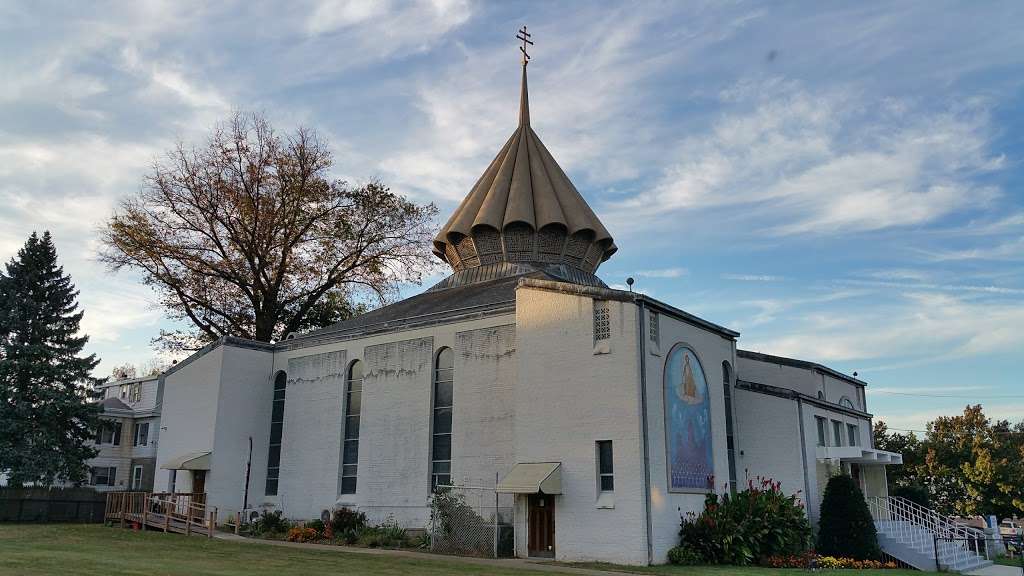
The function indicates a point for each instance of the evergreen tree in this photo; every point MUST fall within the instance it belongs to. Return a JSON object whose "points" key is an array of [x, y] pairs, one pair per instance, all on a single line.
{"points": [[45, 419], [845, 526]]}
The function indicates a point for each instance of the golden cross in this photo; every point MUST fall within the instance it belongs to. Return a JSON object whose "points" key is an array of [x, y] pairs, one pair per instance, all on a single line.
{"points": [[525, 37]]}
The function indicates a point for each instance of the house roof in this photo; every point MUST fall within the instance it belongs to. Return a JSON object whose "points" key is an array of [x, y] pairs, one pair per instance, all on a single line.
{"points": [[805, 364], [114, 404], [430, 305]]}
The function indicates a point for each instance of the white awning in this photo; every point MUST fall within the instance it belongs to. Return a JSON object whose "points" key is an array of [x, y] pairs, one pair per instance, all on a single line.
{"points": [[858, 455], [189, 461], [533, 478]]}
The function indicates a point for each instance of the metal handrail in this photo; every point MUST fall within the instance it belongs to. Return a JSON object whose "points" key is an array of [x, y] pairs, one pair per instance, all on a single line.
{"points": [[925, 528]]}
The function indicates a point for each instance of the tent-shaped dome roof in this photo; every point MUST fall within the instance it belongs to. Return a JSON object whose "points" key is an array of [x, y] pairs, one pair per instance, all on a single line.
{"points": [[524, 209]]}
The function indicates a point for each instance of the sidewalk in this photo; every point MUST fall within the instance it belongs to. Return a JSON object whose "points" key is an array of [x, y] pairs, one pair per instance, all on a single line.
{"points": [[525, 564]]}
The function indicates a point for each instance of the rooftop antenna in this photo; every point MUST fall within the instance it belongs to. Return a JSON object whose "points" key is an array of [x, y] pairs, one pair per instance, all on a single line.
{"points": [[629, 282]]}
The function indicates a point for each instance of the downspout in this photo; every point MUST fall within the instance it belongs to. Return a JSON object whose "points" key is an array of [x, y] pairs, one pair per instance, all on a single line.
{"points": [[803, 454], [643, 422]]}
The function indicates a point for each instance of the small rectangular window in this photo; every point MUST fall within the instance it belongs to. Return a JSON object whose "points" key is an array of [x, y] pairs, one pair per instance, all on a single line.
{"points": [[117, 434], [602, 321], [141, 434], [137, 477], [605, 470], [103, 476], [654, 328], [852, 432], [822, 433], [837, 432]]}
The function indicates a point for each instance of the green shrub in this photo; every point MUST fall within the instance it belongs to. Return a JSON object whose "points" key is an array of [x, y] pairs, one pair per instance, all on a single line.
{"points": [[317, 525], [750, 525], [391, 533], [683, 556], [345, 519], [350, 536], [845, 528], [270, 523]]}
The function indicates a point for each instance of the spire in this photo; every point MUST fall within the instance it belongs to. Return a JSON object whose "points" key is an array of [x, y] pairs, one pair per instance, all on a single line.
{"points": [[524, 101], [524, 96], [524, 210]]}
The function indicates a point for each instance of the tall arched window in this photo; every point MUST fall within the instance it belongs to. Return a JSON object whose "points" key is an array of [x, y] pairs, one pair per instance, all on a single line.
{"points": [[350, 445], [441, 443], [276, 431], [729, 439]]}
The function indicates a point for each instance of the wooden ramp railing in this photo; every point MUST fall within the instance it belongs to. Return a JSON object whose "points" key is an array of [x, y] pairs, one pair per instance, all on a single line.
{"points": [[180, 513]]}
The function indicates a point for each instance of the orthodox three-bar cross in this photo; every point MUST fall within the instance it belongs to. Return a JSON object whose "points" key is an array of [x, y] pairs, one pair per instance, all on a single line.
{"points": [[525, 37]]}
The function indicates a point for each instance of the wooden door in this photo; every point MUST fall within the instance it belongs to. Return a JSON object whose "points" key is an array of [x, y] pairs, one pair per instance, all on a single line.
{"points": [[541, 517], [199, 481]]}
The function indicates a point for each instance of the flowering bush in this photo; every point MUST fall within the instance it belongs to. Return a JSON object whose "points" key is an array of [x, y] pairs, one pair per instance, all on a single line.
{"points": [[812, 560], [833, 563], [756, 523], [301, 534], [804, 560]]}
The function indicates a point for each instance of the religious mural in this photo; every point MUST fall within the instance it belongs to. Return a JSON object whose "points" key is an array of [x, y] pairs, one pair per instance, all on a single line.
{"points": [[687, 422]]}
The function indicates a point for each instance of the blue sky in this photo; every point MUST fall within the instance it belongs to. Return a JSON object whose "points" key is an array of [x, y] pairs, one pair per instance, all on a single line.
{"points": [[839, 182]]}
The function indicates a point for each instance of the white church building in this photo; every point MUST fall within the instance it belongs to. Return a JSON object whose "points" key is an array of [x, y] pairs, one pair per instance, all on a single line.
{"points": [[601, 415]]}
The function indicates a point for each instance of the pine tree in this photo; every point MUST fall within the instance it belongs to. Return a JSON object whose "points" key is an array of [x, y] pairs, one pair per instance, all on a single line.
{"points": [[45, 419], [845, 526]]}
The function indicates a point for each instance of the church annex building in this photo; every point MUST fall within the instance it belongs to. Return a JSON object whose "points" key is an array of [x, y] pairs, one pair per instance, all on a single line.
{"points": [[600, 415]]}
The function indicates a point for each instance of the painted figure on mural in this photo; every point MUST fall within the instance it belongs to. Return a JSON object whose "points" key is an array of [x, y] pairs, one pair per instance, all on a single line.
{"points": [[687, 422]]}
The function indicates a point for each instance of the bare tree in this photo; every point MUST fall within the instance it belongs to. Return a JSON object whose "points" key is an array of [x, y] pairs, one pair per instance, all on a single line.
{"points": [[249, 236]]}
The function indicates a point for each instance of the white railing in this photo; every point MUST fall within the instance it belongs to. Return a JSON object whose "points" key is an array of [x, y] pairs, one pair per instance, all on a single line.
{"points": [[927, 529]]}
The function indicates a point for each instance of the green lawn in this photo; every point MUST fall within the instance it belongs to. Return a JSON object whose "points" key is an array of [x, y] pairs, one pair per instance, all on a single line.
{"points": [[28, 549], [1009, 561], [32, 550]]}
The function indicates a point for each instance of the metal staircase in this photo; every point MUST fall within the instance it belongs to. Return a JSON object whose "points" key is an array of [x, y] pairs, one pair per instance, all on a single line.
{"points": [[925, 539]]}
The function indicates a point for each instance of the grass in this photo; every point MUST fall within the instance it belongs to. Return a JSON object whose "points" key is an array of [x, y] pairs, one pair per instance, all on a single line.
{"points": [[668, 570], [1015, 562], [93, 549]]}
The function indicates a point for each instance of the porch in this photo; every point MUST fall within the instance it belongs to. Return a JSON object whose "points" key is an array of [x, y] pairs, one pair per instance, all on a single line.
{"points": [[179, 513]]}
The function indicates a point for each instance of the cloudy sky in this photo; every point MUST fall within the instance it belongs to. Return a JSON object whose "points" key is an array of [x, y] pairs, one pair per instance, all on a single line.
{"points": [[841, 183]]}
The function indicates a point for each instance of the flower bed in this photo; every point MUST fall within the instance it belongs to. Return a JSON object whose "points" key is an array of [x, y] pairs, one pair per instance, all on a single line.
{"points": [[812, 561]]}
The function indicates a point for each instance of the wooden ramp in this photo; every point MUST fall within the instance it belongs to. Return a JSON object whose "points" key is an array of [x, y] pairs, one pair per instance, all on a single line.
{"points": [[179, 513]]}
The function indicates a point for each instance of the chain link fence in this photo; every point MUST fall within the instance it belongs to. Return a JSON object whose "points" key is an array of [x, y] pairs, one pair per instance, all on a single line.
{"points": [[472, 521]]}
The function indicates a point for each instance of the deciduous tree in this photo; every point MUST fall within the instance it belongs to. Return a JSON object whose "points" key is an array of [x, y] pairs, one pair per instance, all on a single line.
{"points": [[250, 236], [967, 463]]}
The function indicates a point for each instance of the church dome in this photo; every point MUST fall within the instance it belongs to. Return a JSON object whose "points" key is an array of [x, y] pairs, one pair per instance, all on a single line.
{"points": [[524, 210]]}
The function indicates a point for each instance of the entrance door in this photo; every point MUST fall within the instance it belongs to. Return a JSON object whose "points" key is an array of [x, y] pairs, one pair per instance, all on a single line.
{"points": [[541, 516], [198, 481]]}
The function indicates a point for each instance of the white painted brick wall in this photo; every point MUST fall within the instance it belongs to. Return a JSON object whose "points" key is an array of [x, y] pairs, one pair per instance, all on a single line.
{"points": [[394, 431], [484, 406], [311, 442], [243, 410], [189, 414], [567, 398], [770, 441]]}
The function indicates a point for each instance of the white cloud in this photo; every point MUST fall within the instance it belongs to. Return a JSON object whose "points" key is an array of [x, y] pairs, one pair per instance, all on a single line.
{"points": [[827, 162], [753, 277], [1007, 250], [379, 28], [662, 273], [919, 325]]}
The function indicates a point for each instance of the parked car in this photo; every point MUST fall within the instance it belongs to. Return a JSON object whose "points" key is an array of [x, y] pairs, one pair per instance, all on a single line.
{"points": [[1011, 528]]}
